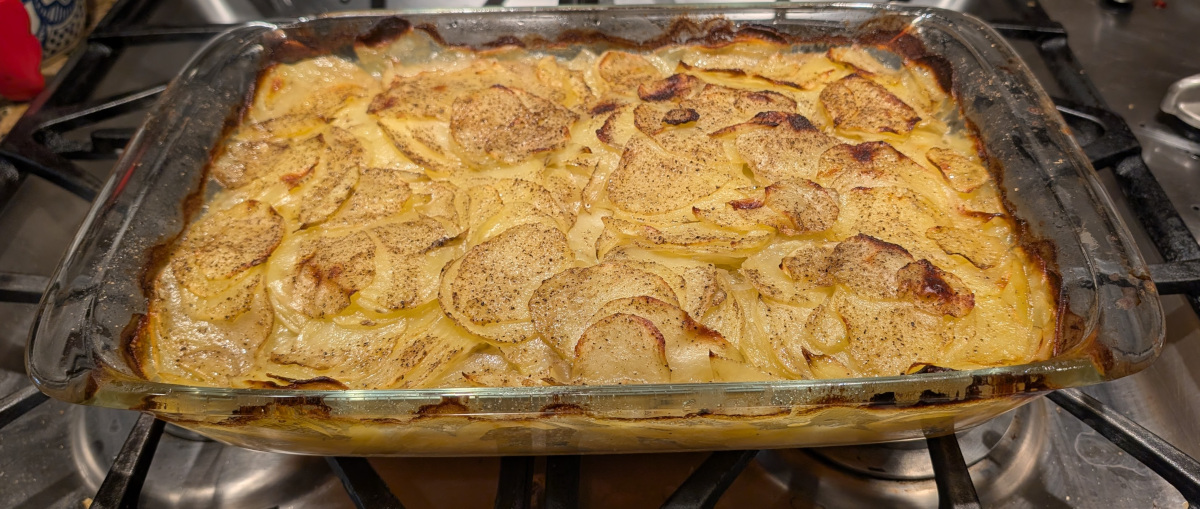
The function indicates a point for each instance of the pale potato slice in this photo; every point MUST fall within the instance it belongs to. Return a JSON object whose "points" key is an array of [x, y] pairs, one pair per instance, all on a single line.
{"points": [[719, 106], [984, 250], [328, 270], [650, 180], [564, 304], [209, 350], [856, 103], [425, 143], [438, 200], [624, 72], [858, 58], [766, 271], [729, 370], [784, 327], [322, 345], [779, 146], [333, 179], [963, 174], [696, 283], [422, 354], [688, 343], [225, 243], [689, 238], [380, 193], [244, 162], [539, 362], [408, 272], [621, 349], [509, 125], [488, 290]]}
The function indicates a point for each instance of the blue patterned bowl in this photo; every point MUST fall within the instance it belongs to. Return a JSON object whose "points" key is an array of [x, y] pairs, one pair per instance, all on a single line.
{"points": [[58, 24]]}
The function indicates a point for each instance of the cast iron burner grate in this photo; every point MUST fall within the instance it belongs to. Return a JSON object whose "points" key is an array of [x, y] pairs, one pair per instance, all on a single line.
{"points": [[36, 146]]}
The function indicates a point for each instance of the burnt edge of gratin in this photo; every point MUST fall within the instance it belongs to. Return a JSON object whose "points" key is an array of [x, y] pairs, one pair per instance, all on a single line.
{"points": [[886, 32]]}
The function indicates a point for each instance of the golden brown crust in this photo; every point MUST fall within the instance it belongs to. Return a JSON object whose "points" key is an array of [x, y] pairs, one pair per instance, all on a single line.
{"points": [[509, 124], [856, 103]]}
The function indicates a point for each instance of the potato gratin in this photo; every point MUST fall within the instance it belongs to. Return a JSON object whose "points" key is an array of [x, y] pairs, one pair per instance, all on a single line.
{"points": [[434, 217]]}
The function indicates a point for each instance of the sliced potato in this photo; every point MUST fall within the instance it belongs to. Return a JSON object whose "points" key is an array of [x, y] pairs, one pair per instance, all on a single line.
{"points": [[563, 306], [720, 106], [875, 164], [380, 192], [688, 238], [243, 162], [963, 174], [621, 349], [650, 180], [333, 179], [688, 343], [509, 125], [329, 270], [675, 87], [869, 266], [225, 243], [856, 103], [779, 145], [807, 206], [488, 290], [934, 289], [409, 270], [624, 72]]}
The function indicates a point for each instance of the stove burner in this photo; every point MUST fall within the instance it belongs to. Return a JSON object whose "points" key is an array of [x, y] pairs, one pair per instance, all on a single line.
{"points": [[1000, 454], [909, 460], [193, 471]]}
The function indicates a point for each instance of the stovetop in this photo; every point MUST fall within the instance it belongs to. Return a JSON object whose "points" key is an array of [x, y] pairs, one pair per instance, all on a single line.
{"points": [[58, 455]]}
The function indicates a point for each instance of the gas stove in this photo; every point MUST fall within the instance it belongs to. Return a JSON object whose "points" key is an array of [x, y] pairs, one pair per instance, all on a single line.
{"points": [[1128, 443]]}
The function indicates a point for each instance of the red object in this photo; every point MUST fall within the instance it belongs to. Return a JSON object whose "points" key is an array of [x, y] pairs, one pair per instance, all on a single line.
{"points": [[21, 58], [1160, 4]]}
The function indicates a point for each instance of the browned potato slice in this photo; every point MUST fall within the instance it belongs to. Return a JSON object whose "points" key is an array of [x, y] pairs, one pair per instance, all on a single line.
{"points": [[329, 270], [647, 118], [626, 121], [856, 103], [650, 180], [380, 193], [225, 243], [562, 307], [688, 344], [333, 179], [963, 174], [621, 349], [680, 116], [675, 87], [934, 289], [780, 145], [424, 95], [488, 290], [811, 263], [875, 164], [870, 266], [891, 214], [243, 162], [509, 125], [720, 106], [625, 72]]}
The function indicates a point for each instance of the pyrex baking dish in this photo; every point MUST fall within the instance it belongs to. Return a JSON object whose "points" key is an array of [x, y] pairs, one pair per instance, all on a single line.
{"points": [[1111, 322]]}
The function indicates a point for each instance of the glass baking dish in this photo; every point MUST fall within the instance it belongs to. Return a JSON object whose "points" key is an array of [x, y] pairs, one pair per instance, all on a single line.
{"points": [[1111, 326]]}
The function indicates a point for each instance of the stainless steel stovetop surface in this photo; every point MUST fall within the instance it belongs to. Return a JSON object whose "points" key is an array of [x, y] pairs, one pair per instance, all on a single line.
{"points": [[1039, 456]]}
